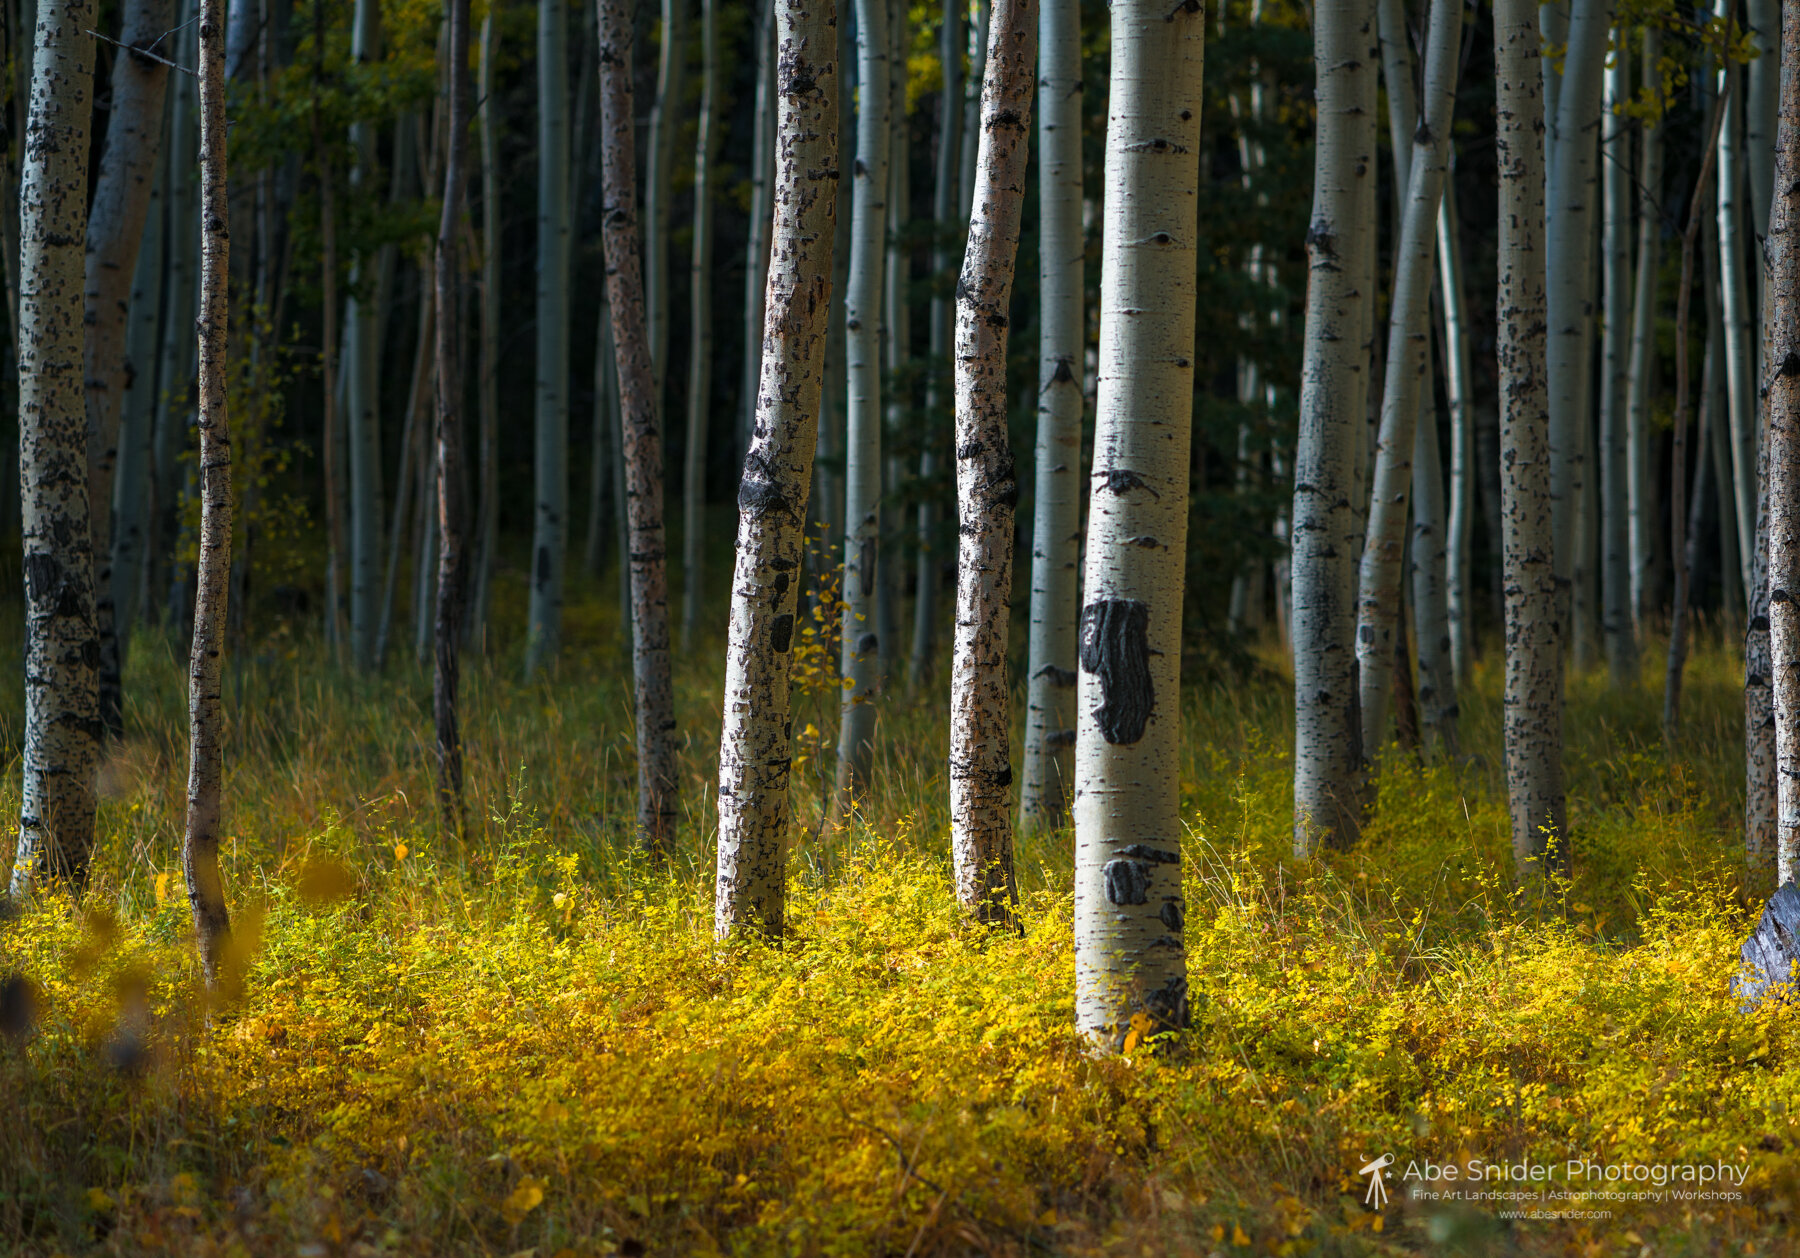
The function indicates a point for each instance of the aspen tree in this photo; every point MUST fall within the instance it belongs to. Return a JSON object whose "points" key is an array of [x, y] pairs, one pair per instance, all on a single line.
{"points": [[62, 725], [987, 486], [1130, 960], [362, 384], [659, 172], [1615, 376], [1334, 386], [1533, 696], [1640, 483], [1760, 789], [550, 468], [1762, 90], [115, 228], [206, 659], [861, 642], [1781, 382], [487, 520], [1459, 390], [1739, 344], [1406, 391], [135, 470], [647, 547], [699, 408], [756, 248], [755, 757], [1056, 518]]}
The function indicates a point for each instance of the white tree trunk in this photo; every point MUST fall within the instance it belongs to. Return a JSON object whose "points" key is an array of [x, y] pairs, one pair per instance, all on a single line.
{"points": [[755, 757], [756, 250], [115, 229], [1130, 959], [1640, 446], [1533, 699], [659, 174], [862, 447], [206, 673], [1422, 148], [487, 520], [1459, 388], [1615, 374], [1571, 202], [175, 369], [1760, 109], [362, 385], [971, 115], [62, 727], [133, 475], [1056, 519], [1334, 387], [693, 471], [987, 486], [1739, 344], [550, 523]]}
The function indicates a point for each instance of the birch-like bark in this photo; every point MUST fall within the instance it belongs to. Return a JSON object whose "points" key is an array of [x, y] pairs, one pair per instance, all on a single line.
{"points": [[418, 401], [642, 439], [1782, 393], [1640, 478], [756, 249], [550, 467], [987, 486], [1130, 959], [136, 465], [977, 28], [1056, 519], [1761, 97], [755, 757], [665, 128], [1739, 344], [175, 368], [947, 227], [1760, 787], [1533, 697], [206, 658], [1420, 156], [896, 327], [1459, 389], [699, 402], [1571, 206], [362, 384], [487, 517], [1616, 627], [115, 229], [62, 725], [1334, 387], [861, 648], [452, 549]]}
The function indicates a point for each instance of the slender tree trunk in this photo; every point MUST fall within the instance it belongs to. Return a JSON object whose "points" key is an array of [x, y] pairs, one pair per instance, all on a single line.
{"points": [[862, 358], [1783, 417], [136, 465], [756, 251], [986, 481], [62, 726], [1639, 441], [657, 800], [1333, 404], [1533, 701], [1056, 522], [1130, 960], [206, 673], [175, 370], [487, 519], [1760, 107], [1739, 346], [665, 130], [1573, 120], [115, 228], [334, 500], [1459, 388], [947, 228], [896, 329], [1760, 787], [693, 489], [362, 383], [549, 537], [1420, 157], [1615, 374], [1717, 444], [418, 400], [1678, 613], [829, 460], [971, 114], [605, 422], [755, 747]]}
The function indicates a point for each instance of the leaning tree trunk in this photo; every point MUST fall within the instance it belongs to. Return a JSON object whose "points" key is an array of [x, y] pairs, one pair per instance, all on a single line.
{"points": [[362, 382], [1130, 960], [206, 658], [550, 520], [1739, 346], [1573, 127], [115, 229], [1639, 441], [1408, 378], [1333, 403], [665, 126], [132, 476], [987, 486], [1533, 699], [1615, 376], [1056, 520], [699, 408], [452, 549], [62, 727], [862, 446], [1782, 382], [657, 800], [1459, 389], [755, 757]]}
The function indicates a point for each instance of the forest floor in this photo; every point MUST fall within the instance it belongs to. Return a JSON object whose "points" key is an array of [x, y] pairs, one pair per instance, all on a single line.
{"points": [[526, 1041]]}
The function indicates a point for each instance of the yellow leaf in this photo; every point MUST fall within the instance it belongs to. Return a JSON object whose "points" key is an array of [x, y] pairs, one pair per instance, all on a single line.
{"points": [[528, 1196], [1218, 1232], [1238, 1236], [162, 887], [98, 1200], [400, 850]]}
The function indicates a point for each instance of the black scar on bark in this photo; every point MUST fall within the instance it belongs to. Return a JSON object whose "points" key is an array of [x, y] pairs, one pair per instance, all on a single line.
{"points": [[543, 566], [1156, 855], [781, 633], [758, 494], [1168, 1004], [1127, 882], [1173, 916], [1115, 648]]}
